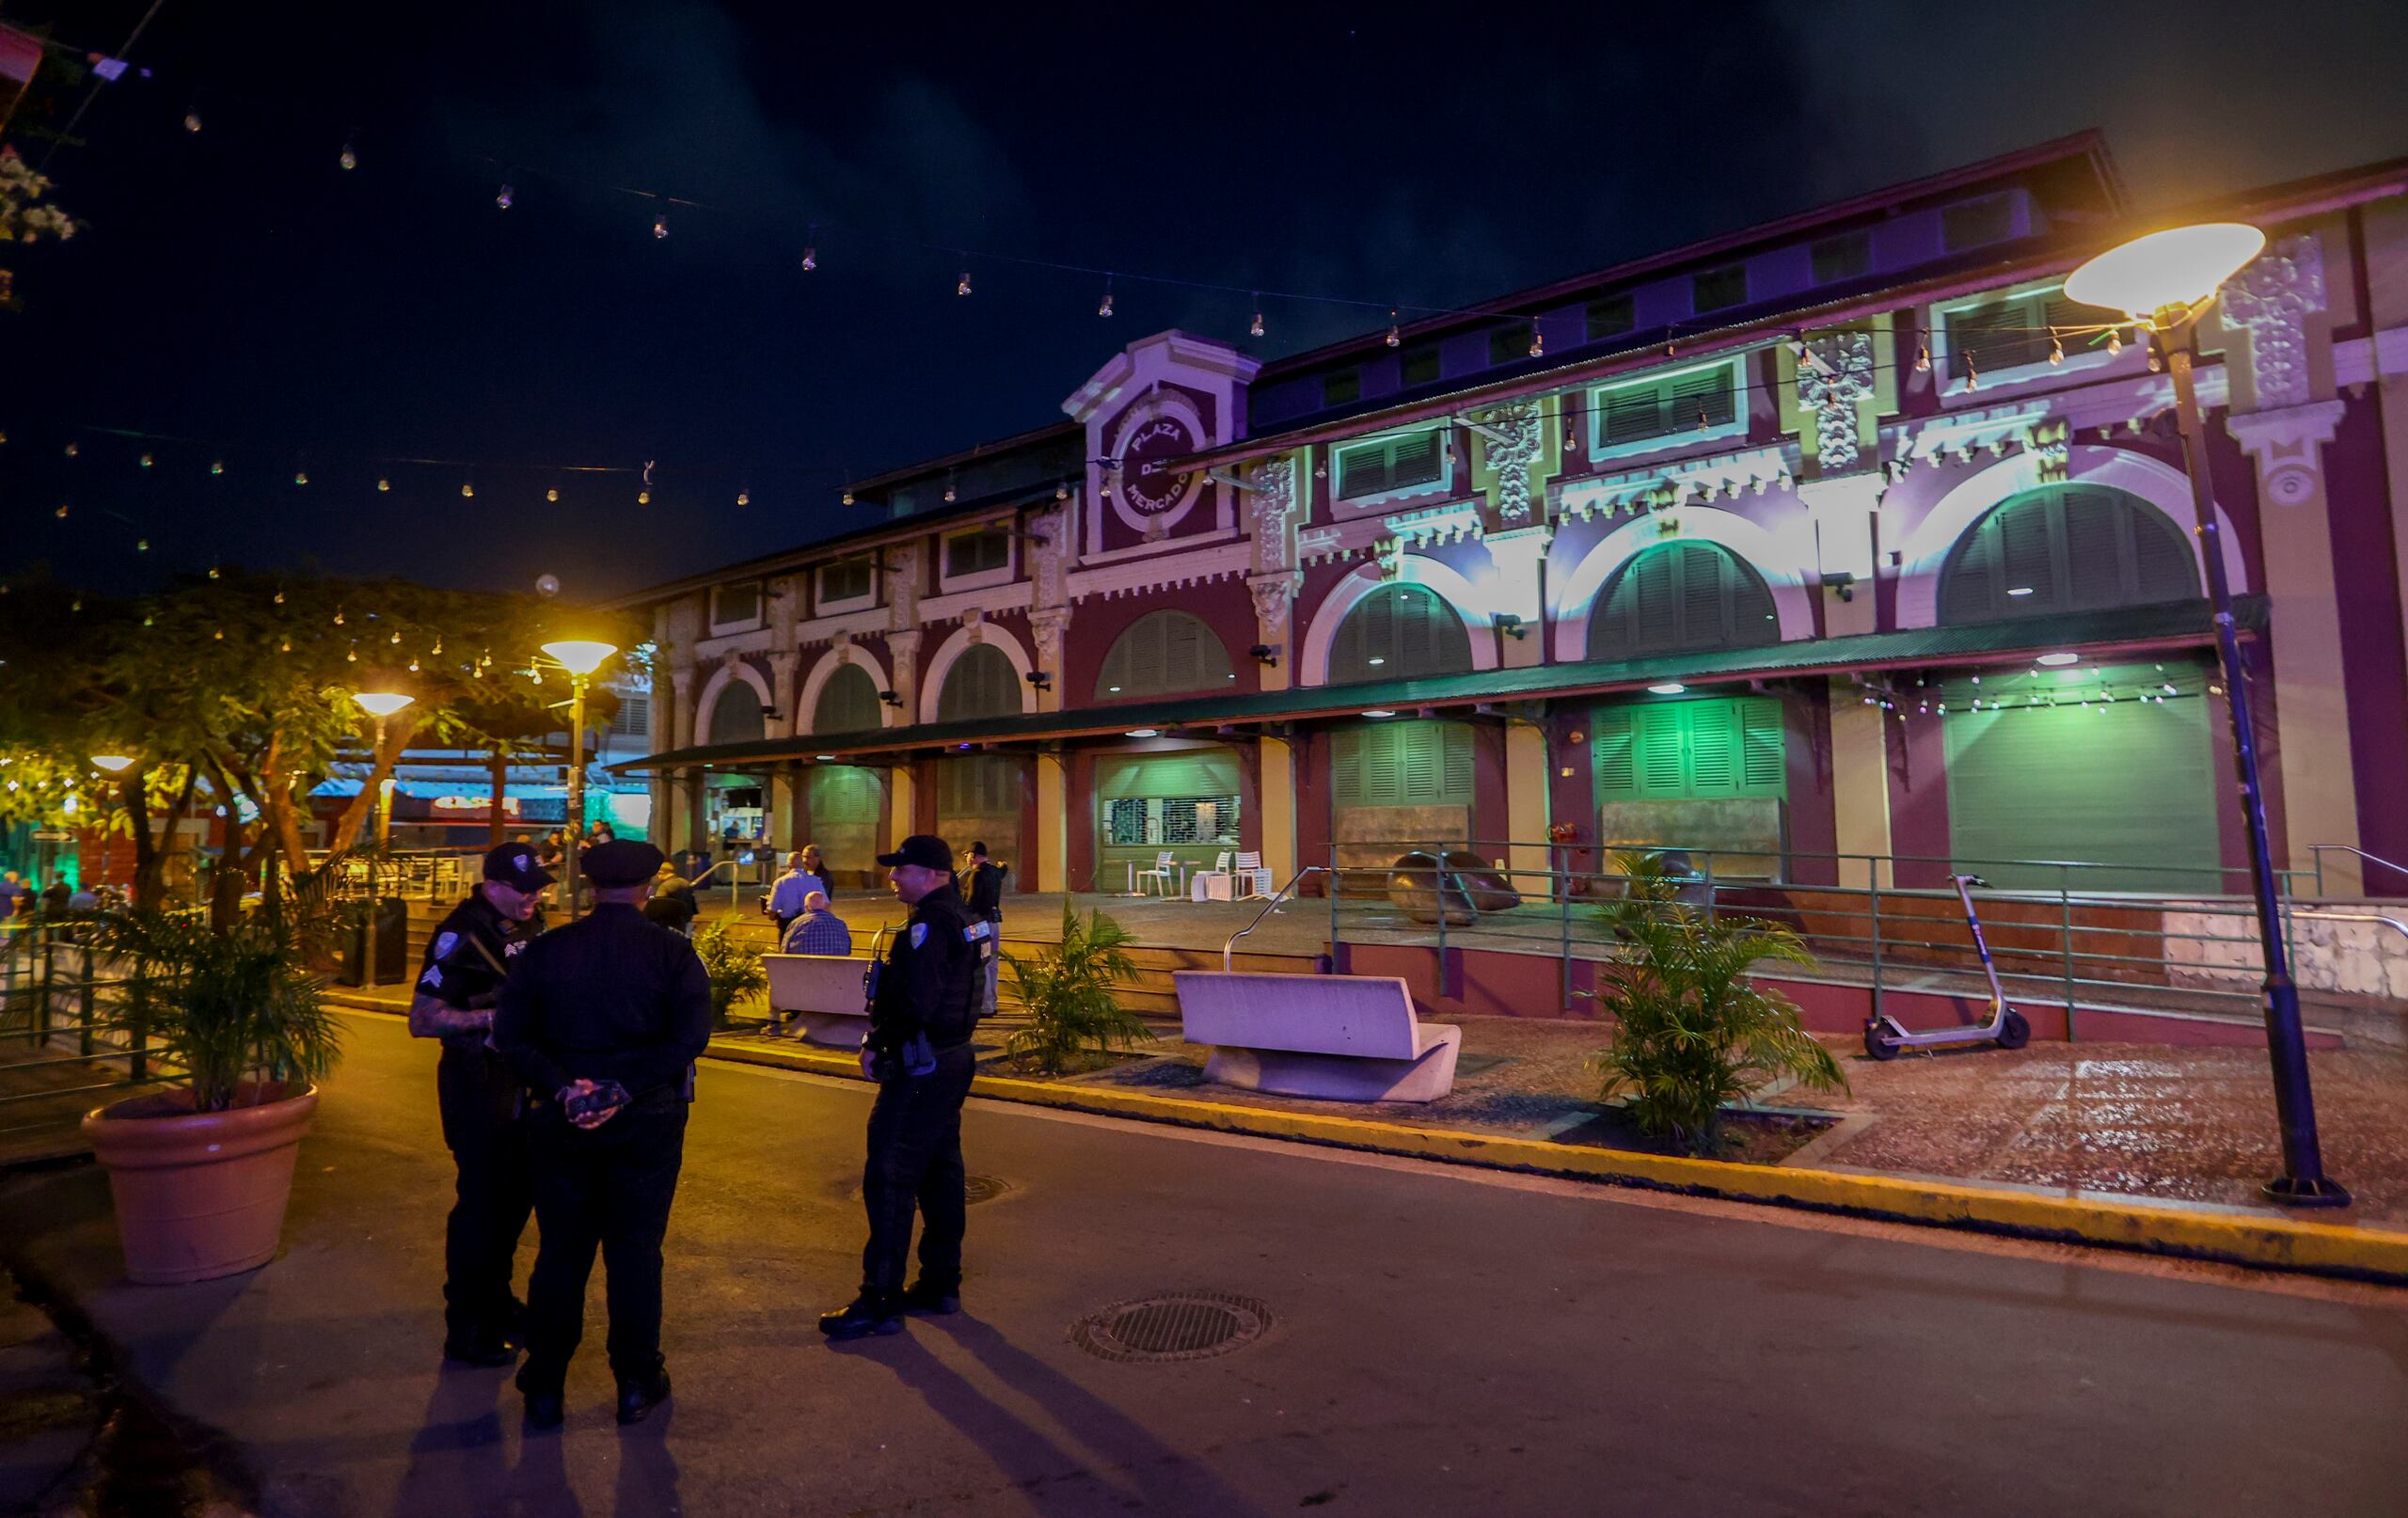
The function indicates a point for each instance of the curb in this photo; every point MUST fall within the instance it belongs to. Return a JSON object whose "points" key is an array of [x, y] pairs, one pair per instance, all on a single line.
{"points": [[2226, 1236]]}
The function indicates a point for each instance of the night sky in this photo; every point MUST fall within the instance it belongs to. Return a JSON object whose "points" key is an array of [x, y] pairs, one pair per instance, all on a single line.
{"points": [[236, 287]]}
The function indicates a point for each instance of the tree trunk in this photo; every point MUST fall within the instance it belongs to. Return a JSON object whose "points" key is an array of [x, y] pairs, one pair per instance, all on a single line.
{"points": [[363, 806]]}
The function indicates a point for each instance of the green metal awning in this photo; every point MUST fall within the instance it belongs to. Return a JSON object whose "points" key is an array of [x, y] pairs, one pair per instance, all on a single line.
{"points": [[2185, 624]]}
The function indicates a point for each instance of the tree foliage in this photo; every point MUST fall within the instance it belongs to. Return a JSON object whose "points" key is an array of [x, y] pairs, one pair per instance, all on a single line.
{"points": [[1692, 1033], [25, 218], [233, 688]]}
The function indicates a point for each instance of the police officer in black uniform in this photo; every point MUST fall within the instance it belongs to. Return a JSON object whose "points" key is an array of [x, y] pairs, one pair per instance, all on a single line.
{"points": [[603, 1019], [467, 961], [926, 1002]]}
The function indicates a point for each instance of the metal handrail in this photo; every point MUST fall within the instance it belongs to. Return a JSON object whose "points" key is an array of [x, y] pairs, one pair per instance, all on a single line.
{"points": [[2316, 851], [1285, 893], [2392, 922]]}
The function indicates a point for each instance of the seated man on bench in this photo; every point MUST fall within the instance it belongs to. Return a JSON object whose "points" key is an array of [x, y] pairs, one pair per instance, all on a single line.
{"points": [[818, 930]]}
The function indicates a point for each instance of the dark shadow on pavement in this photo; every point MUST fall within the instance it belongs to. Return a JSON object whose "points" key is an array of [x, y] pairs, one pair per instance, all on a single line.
{"points": [[647, 1471], [538, 1488], [458, 1455]]}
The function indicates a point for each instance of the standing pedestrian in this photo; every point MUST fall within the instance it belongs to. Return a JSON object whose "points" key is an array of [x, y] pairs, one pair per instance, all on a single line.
{"points": [[984, 891], [785, 899], [672, 903], [813, 865], [15, 899], [470, 956], [56, 895], [918, 1051], [603, 1018]]}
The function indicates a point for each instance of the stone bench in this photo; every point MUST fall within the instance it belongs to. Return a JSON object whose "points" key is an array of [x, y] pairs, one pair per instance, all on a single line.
{"points": [[1339, 1037], [825, 992]]}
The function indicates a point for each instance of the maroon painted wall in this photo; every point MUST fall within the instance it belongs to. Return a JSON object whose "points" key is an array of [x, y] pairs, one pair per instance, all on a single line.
{"points": [[1223, 605], [2372, 660]]}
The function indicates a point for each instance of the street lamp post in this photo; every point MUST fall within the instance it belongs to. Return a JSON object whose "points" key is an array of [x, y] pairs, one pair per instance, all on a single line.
{"points": [[580, 658], [2165, 281], [379, 704]]}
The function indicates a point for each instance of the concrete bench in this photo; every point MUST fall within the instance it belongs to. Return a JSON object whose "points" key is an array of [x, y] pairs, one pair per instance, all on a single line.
{"points": [[1339, 1037], [825, 989]]}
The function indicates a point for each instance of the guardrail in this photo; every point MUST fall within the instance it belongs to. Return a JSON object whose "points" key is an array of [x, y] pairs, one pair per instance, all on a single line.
{"points": [[2063, 941], [59, 1007], [1272, 903]]}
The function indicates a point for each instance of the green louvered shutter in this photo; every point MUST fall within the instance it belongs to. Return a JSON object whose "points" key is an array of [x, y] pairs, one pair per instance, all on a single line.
{"points": [[1682, 597], [1713, 750], [982, 682], [1346, 766], [847, 702], [1663, 750], [1730, 749], [2069, 548], [1764, 768], [1615, 739]]}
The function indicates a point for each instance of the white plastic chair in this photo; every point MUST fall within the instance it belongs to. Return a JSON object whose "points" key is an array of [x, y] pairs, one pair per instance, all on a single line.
{"points": [[1163, 879], [1254, 877], [1215, 885]]}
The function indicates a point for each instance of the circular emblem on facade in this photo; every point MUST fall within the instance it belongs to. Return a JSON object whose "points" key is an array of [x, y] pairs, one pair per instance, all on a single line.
{"points": [[1147, 481]]}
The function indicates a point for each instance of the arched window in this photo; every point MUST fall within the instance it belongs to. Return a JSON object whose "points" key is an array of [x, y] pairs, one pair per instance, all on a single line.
{"points": [[1680, 598], [1162, 653], [982, 682], [2063, 548], [737, 715], [1399, 632], [847, 702]]}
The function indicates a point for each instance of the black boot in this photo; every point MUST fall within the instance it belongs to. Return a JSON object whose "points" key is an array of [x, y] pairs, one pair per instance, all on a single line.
{"points": [[937, 1301], [866, 1314], [546, 1404], [484, 1348], [637, 1399]]}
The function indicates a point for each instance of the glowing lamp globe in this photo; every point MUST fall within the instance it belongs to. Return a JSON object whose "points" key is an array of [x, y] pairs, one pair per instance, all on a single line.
{"points": [[116, 764], [580, 656], [382, 702], [2180, 267]]}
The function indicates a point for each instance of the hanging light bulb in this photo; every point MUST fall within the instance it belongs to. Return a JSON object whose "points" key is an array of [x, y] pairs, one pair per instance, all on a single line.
{"points": [[61, 513], [553, 494], [810, 260], [146, 461], [72, 451], [213, 571], [1256, 329], [962, 287], [1538, 341], [437, 648], [192, 121], [220, 635], [280, 598], [349, 160], [467, 489], [643, 498], [1973, 374], [76, 605], [2056, 350], [397, 635], [338, 616], [1105, 310], [849, 497], [744, 498], [413, 665], [1394, 338], [660, 227], [383, 485], [142, 545], [1702, 423], [2155, 363], [2114, 340], [218, 466], [948, 493], [351, 656], [503, 197], [1061, 492], [300, 477], [286, 647]]}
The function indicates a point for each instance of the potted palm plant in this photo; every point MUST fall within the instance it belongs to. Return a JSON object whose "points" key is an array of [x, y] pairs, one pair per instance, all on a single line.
{"points": [[1067, 993], [202, 1171]]}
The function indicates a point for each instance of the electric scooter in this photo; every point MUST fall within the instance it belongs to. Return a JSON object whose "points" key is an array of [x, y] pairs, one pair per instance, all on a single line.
{"points": [[1885, 1035]]}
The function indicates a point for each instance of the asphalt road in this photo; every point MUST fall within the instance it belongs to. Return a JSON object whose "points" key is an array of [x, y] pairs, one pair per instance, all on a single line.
{"points": [[1444, 1341]]}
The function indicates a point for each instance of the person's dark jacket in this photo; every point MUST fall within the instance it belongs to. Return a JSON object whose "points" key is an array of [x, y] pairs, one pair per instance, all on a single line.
{"points": [[672, 906], [612, 997], [985, 890], [931, 980]]}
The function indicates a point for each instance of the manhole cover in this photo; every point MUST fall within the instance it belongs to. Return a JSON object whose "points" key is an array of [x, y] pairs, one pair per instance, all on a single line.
{"points": [[975, 1189], [1179, 1325]]}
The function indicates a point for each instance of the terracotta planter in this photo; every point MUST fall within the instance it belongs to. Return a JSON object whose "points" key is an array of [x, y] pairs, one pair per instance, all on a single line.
{"points": [[199, 1194]]}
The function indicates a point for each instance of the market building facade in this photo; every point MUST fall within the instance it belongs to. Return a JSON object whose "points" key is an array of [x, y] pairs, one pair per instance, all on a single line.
{"points": [[1843, 547]]}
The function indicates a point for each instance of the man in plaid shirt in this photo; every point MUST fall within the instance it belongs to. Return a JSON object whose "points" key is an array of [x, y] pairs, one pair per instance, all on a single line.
{"points": [[818, 930]]}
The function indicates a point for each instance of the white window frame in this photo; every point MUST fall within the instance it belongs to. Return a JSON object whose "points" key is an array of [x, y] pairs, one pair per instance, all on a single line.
{"points": [[2081, 363], [1442, 488], [821, 605], [760, 609], [985, 578], [1737, 369]]}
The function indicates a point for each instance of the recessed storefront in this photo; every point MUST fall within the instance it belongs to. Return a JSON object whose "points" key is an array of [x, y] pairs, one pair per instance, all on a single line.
{"points": [[1183, 803]]}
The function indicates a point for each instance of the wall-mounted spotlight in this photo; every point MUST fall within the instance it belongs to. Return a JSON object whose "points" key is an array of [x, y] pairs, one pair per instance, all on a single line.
{"points": [[1040, 678], [889, 698], [1843, 582], [1266, 654], [1511, 626]]}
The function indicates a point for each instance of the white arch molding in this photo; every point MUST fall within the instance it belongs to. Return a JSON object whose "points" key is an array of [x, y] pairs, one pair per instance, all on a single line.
{"points": [[806, 701], [1771, 554], [951, 650], [709, 701], [1445, 580], [1927, 544]]}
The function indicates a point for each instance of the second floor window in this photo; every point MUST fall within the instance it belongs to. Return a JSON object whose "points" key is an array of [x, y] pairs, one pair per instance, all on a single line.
{"points": [[735, 606], [976, 553], [1693, 400], [846, 580], [2009, 334], [1391, 463], [1609, 317], [1719, 288]]}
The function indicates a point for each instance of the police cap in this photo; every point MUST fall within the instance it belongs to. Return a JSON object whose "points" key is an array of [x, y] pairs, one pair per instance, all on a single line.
{"points": [[621, 863], [514, 865], [924, 849]]}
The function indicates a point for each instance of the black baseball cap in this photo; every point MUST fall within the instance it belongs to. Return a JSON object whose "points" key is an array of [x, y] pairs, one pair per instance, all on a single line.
{"points": [[621, 863], [514, 865], [924, 849]]}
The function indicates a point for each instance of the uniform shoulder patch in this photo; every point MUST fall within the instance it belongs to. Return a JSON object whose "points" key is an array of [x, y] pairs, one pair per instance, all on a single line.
{"points": [[919, 934], [445, 944]]}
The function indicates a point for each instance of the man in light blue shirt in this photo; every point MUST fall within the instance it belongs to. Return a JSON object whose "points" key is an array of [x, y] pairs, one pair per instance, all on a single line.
{"points": [[787, 891]]}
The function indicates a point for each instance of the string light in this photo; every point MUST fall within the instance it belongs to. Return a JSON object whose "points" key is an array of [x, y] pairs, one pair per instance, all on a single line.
{"points": [[338, 616], [553, 494], [300, 477], [810, 258], [349, 160], [146, 461], [280, 598], [286, 647], [1256, 329], [192, 121], [643, 498], [397, 635], [213, 571], [1394, 337], [467, 489], [1973, 374], [503, 197], [2056, 350], [1922, 359], [1105, 310], [216, 466], [2114, 340], [962, 287], [351, 656], [72, 451], [660, 227], [413, 665], [61, 513], [744, 498], [849, 497], [383, 485], [948, 493], [1538, 341], [142, 545]]}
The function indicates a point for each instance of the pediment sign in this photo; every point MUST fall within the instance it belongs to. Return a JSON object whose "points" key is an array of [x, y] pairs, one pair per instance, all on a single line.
{"points": [[1165, 397]]}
